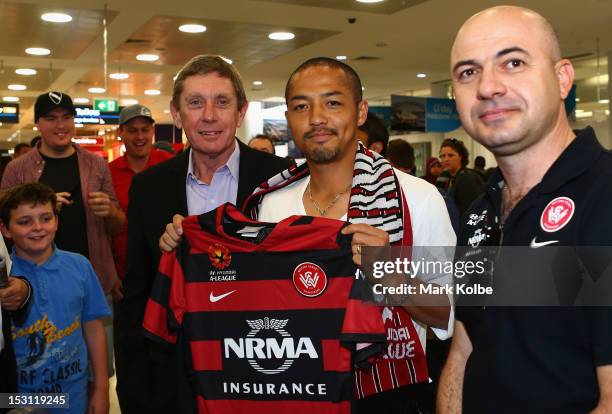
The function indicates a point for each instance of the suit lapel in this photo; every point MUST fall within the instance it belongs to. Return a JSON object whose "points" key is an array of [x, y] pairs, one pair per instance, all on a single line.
{"points": [[246, 182], [178, 186]]}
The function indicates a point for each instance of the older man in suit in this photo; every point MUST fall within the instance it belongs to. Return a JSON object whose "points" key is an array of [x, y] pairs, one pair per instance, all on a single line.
{"points": [[209, 103]]}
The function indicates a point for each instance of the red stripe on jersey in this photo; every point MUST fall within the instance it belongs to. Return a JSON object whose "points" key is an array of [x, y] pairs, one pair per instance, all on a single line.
{"points": [[208, 296], [155, 321], [335, 356], [167, 264], [206, 355], [361, 319], [177, 290], [267, 407]]}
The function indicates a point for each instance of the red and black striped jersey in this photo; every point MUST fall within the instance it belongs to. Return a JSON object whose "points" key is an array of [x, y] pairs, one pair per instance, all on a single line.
{"points": [[271, 315]]}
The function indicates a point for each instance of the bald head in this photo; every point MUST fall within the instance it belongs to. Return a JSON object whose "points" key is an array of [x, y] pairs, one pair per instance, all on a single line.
{"points": [[535, 25], [509, 79]]}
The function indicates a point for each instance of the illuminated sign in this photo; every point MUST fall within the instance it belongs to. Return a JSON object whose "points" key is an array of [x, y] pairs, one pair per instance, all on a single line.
{"points": [[106, 105], [87, 115], [88, 141], [9, 113]]}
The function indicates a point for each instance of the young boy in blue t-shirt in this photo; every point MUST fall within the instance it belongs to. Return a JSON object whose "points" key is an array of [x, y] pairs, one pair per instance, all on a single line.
{"points": [[63, 330]]}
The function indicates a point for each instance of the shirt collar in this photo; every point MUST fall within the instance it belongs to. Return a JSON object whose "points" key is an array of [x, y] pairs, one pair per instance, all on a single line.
{"points": [[122, 161], [52, 263], [579, 155], [232, 164]]}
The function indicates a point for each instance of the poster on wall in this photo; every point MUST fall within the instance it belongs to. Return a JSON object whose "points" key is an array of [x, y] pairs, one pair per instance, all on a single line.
{"points": [[407, 113], [418, 114], [278, 130]]}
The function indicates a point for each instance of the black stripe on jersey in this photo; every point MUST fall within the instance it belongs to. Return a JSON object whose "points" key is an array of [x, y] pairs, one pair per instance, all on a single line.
{"points": [[303, 220], [362, 291], [361, 357], [323, 324], [270, 265], [160, 292], [173, 324], [222, 385], [208, 221]]}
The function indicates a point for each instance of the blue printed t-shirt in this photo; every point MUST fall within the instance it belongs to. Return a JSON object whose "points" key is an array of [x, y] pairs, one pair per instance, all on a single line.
{"points": [[49, 347]]}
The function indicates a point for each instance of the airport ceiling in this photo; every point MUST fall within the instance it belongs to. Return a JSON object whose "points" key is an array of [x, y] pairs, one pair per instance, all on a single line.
{"points": [[388, 43]]}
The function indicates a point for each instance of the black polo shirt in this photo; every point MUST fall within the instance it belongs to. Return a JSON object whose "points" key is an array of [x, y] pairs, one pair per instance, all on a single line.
{"points": [[542, 359]]}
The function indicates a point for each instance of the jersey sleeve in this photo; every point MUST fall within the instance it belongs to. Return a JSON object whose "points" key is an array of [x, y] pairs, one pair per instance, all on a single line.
{"points": [[94, 304], [363, 331], [166, 306]]}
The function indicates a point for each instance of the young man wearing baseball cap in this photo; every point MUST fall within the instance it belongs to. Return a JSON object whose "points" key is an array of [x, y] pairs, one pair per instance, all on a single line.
{"points": [[136, 129], [89, 210]]}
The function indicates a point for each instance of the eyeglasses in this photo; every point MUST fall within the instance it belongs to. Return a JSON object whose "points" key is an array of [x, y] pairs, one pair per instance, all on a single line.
{"points": [[452, 140]]}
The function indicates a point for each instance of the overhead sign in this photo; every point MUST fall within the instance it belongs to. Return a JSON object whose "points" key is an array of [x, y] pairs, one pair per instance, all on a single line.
{"points": [[87, 115], [9, 113], [106, 105]]}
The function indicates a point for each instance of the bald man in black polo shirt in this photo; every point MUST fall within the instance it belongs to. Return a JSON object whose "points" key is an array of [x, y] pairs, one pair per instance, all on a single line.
{"points": [[551, 188]]}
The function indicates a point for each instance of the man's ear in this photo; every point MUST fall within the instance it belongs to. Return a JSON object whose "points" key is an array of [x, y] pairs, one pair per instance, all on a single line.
{"points": [[565, 74], [377, 147], [242, 113], [176, 116], [362, 112], [5, 231]]}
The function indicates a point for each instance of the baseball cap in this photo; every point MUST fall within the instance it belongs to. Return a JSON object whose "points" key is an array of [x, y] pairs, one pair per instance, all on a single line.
{"points": [[49, 101], [133, 111]]}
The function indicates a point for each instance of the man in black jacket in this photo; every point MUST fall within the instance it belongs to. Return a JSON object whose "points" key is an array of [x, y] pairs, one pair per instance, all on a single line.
{"points": [[209, 103]]}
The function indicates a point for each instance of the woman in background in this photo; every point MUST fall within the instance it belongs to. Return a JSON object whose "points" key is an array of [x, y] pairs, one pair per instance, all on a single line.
{"points": [[462, 184]]}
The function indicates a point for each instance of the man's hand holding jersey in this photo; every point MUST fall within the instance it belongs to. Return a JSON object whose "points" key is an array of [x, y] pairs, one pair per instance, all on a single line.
{"points": [[173, 234]]}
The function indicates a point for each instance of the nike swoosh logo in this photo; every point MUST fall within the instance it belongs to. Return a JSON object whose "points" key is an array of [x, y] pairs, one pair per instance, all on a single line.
{"points": [[534, 244], [214, 298]]}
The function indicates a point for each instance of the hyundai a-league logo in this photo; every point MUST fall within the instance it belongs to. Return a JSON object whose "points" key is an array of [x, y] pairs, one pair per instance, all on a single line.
{"points": [[219, 256]]}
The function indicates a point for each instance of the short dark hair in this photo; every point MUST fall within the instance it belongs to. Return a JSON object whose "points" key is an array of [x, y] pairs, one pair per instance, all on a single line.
{"points": [[376, 130], [401, 154], [30, 193], [459, 148], [203, 65], [480, 162], [21, 145], [266, 138], [352, 76]]}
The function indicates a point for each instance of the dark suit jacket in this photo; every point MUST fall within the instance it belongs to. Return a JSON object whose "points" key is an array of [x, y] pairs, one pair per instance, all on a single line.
{"points": [[155, 196]]}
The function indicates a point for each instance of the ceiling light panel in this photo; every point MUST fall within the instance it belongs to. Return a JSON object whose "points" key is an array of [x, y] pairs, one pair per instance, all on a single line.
{"points": [[56, 17]]}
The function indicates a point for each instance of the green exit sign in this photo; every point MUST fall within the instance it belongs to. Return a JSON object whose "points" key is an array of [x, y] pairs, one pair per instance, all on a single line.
{"points": [[106, 105]]}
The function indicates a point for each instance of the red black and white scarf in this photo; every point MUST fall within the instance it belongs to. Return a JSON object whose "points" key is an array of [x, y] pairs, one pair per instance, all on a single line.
{"points": [[376, 196], [377, 200]]}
